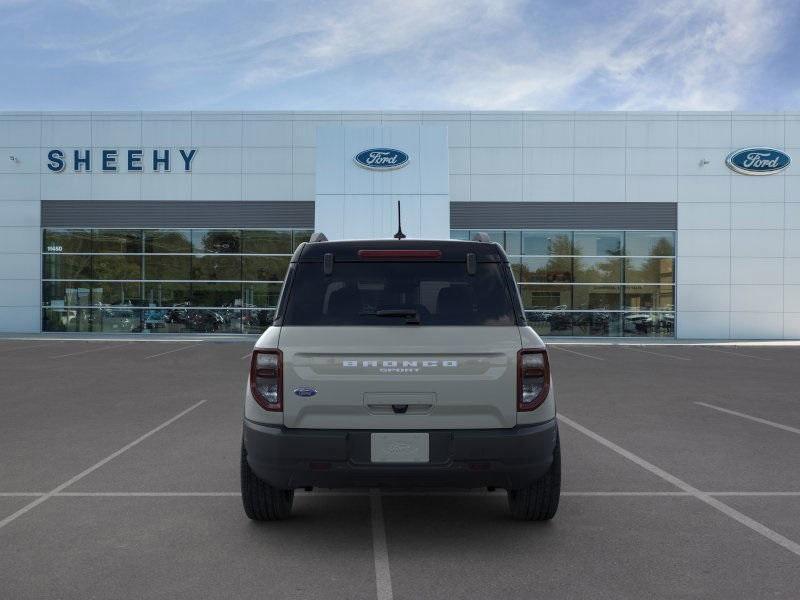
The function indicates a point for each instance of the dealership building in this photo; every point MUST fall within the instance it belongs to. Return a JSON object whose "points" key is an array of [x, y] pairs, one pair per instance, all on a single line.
{"points": [[620, 224]]}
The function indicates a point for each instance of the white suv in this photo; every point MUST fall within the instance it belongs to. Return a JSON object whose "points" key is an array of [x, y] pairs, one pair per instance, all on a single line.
{"points": [[400, 363]]}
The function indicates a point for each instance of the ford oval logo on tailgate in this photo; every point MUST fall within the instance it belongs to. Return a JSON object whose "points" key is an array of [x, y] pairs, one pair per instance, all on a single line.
{"points": [[381, 159], [305, 392], [758, 161]]}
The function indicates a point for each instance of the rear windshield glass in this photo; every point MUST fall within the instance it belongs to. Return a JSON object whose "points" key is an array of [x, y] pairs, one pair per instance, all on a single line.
{"points": [[383, 293]]}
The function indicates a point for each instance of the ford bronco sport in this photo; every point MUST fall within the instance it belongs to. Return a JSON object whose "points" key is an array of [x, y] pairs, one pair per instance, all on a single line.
{"points": [[400, 363]]}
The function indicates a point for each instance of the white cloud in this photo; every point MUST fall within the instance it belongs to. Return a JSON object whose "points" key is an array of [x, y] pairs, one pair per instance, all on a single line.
{"points": [[684, 56], [474, 54]]}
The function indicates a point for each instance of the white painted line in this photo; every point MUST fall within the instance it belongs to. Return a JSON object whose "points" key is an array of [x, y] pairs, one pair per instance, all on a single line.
{"points": [[380, 552], [734, 514], [742, 354], [94, 467], [573, 352], [751, 418], [20, 494], [755, 494], [91, 350], [171, 351], [657, 353], [146, 494], [248, 355]]}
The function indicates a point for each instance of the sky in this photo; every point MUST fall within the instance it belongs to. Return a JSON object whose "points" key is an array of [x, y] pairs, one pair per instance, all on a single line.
{"points": [[400, 55]]}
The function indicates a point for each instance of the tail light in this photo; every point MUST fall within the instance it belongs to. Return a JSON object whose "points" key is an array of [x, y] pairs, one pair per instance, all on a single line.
{"points": [[533, 379], [266, 379], [399, 254]]}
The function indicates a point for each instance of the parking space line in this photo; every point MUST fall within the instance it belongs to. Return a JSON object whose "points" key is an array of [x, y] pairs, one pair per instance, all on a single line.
{"points": [[755, 494], [94, 467], [194, 345], [145, 494], [742, 354], [734, 514], [573, 352], [20, 494], [380, 552], [751, 418], [91, 350], [248, 355], [656, 353]]}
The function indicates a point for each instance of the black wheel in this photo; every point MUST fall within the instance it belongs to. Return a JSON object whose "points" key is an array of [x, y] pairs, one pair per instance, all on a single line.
{"points": [[261, 501], [539, 501]]}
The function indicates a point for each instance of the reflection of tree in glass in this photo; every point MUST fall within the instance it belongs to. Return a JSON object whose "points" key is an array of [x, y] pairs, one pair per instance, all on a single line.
{"points": [[167, 240], [557, 268], [221, 241], [654, 269]]}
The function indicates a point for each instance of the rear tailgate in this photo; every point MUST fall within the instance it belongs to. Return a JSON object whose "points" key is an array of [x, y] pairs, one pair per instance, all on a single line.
{"points": [[400, 377]]}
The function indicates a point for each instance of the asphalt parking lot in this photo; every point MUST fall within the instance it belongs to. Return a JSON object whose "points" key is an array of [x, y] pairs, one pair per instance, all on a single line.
{"points": [[119, 479]]}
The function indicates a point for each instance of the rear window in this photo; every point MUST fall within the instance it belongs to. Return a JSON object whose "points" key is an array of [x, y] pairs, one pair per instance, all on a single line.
{"points": [[391, 293]]}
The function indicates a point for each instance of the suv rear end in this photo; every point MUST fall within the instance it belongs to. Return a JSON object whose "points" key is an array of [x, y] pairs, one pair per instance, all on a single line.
{"points": [[400, 363]]}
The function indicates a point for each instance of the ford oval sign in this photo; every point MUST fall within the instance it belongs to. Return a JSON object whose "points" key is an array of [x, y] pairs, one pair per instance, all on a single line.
{"points": [[305, 392], [758, 161], [381, 159]]}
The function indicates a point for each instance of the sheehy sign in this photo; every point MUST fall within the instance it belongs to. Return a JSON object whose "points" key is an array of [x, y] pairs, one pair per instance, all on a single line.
{"points": [[134, 160]]}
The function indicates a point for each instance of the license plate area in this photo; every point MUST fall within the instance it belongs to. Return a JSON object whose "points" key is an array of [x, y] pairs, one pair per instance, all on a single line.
{"points": [[408, 447]]}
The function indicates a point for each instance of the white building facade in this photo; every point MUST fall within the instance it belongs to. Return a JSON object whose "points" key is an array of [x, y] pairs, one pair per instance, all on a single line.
{"points": [[617, 224]]}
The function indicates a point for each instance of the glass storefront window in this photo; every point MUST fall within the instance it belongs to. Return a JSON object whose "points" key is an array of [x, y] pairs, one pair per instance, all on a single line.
{"points": [[67, 240], [267, 242], [167, 241], [597, 297], [123, 241], [263, 295], [598, 270], [216, 294], [164, 280], [545, 297], [545, 270], [165, 294], [176, 267], [67, 266], [650, 243], [593, 283], [547, 243], [225, 241], [265, 268], [550, 322], [216, 267], [117, 266], [598, 243], [650, 270], [649, 297], [648, 324]]}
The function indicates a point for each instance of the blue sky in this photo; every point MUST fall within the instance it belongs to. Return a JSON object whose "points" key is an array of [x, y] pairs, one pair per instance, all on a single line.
{"points": [[393, 54]]}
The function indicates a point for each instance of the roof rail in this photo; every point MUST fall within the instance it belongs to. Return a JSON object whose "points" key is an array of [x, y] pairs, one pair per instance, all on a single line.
{"points": [[481, 236], [317, 236]]}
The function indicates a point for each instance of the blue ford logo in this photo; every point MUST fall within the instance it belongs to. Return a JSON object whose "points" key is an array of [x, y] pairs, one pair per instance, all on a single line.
{"points": [[305, 392], [758, 161], [381, 159]]}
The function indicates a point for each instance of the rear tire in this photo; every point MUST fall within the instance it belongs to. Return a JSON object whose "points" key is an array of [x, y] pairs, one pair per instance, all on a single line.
{"points": [[261, 501], [539, 501]]}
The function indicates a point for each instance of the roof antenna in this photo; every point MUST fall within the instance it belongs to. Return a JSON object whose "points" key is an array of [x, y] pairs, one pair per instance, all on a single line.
{"points": [[399, 235]]}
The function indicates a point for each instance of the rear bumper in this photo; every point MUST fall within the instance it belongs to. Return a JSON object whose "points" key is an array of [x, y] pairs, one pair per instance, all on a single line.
{"points": [[505, 458]]}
